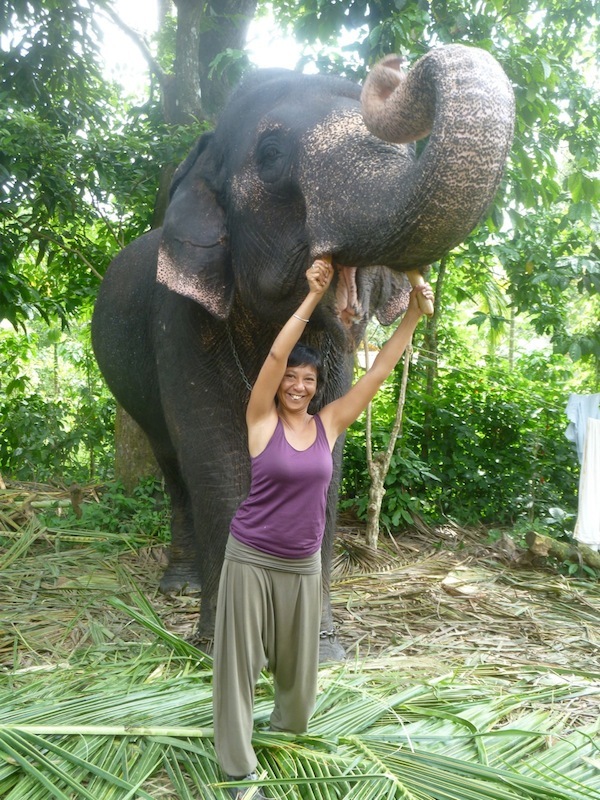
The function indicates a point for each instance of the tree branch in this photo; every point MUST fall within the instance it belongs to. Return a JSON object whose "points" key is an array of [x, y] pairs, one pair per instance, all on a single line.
{"points": [[155, 67], [379, 465], [368, 438], [71, 250], [396, 431]]}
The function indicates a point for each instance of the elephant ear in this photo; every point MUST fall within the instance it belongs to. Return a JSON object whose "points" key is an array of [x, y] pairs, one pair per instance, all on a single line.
{"points": [[193, 255], [394, 296]]}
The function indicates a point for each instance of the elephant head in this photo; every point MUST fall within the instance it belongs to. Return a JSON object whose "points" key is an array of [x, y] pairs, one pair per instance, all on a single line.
{"points": [[298, 168]]}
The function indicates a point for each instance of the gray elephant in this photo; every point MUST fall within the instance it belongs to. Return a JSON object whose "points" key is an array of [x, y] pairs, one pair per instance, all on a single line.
{"points": [[296, 168]]}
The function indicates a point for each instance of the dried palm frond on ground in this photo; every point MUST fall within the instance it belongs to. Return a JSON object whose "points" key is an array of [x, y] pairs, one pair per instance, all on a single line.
{"points": [[460, 603], [470, 675]]}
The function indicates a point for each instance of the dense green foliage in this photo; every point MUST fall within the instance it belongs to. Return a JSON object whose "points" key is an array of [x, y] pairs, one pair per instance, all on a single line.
{"points": [[495, 450], [79, 162], [128, 519], [59, 414]]}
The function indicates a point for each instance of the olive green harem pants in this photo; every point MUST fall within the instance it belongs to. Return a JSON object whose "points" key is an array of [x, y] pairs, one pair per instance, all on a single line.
{"points": [[265, 617]]}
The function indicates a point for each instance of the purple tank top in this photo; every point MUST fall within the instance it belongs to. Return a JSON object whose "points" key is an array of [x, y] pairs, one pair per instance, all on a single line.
{"points": [[284, 514]]}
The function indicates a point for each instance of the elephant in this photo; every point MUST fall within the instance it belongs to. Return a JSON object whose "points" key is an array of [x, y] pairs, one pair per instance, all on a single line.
{"points": [[299, 166]]}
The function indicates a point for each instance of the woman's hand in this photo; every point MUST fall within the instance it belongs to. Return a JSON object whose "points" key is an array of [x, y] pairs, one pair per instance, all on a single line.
{"points": [[319, 275], [413, 303]]}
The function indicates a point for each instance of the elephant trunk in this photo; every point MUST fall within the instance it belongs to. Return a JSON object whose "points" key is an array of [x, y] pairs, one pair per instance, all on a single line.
{"points": [[379, 203], [463, 99]]}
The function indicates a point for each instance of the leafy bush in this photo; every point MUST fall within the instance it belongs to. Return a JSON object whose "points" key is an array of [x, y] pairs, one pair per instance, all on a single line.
{"points": [[48, 439], [58, 415], [489, 447], [143, 514]]}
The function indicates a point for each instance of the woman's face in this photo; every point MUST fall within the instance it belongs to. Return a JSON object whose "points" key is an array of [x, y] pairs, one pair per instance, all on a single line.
{"points": [[298, 387]]}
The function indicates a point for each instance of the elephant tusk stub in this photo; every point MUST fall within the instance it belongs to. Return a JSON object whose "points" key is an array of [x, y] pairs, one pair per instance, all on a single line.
{"points": [[348, 306]]}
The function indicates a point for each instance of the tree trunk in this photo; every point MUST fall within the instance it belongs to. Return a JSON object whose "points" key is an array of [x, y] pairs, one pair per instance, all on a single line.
{"points": [[430, 345], [511, 341], [563, 551], [379, 464], [134, 458], [187, 108], [224, 30], [162, 196], [376, 495]]}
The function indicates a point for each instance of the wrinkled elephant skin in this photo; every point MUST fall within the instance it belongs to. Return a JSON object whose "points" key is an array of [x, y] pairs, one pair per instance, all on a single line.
{"points": [[186, 314]]}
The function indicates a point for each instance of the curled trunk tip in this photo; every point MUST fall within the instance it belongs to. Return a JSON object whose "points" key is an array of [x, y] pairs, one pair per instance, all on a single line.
{"points": [[461, 98]]}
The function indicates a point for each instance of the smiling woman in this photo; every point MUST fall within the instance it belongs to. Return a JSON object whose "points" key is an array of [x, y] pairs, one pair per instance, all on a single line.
{"points": [[298, 387]]}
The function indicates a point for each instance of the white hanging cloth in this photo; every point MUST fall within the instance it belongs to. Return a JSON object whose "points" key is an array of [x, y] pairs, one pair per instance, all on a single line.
{"points": [[579, 408], [587, 527]]}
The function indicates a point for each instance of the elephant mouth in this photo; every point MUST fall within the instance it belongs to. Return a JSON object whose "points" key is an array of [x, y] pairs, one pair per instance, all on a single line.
{"points": [[347, 303]]}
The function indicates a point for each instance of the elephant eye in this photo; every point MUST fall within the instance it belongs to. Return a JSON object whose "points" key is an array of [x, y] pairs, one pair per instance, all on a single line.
{"points": [[269, 152], [272, 157]]}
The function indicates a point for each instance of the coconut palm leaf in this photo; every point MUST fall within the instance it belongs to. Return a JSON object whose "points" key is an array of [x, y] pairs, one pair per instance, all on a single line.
{"points": [[382, 747]]}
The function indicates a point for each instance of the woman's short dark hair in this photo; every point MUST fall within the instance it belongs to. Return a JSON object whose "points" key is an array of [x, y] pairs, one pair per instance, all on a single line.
{"points": [[303, 355]]}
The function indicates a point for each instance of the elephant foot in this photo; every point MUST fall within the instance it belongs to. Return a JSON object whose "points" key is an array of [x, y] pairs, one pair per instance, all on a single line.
{"points": [[179, 580], [329, 647], [204, 643]]}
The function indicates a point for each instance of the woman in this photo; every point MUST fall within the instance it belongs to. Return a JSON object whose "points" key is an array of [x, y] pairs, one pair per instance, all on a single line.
{"points": [[269, 603]]}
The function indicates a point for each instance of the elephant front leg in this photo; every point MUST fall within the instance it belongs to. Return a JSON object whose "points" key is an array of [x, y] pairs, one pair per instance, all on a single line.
{"points": [[203, 635], [183, 570], [214, 501], [330, 648]]}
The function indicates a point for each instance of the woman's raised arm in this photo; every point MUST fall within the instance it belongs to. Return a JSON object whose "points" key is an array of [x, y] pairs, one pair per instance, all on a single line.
{"points": [[262, 398]]}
